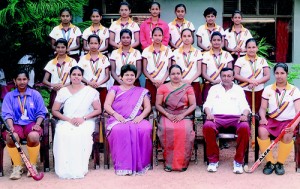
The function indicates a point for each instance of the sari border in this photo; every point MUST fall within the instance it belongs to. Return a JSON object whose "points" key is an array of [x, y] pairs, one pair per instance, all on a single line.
{"points": [[133, 113], [175, 91]]}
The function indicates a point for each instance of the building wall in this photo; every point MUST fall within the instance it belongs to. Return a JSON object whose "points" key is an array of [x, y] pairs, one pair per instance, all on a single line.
{"points": [[296, 43]]}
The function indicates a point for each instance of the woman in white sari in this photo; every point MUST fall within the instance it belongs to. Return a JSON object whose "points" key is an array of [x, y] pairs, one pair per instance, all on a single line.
{"points": [[73, 135]]}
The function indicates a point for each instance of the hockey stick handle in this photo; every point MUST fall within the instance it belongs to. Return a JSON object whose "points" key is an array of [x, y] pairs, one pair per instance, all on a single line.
{"points": [[36, 176]]}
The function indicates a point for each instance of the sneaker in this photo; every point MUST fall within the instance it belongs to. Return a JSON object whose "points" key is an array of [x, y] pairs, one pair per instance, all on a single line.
{"points": [[34, 168], [212, 167], [17, 173], [237, 168], [269, 168], [279, 169]]}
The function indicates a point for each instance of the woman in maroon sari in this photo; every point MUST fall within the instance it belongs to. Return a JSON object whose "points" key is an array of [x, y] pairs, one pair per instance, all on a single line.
{"points": [[129, 134], [176, 102]]}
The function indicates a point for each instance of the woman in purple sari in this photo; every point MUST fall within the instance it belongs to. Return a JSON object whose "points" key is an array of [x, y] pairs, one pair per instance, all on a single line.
{"points": [[128, 133], [176, 102]]}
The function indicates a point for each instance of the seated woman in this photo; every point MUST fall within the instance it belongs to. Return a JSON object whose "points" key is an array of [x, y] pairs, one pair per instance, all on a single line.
{"points": [[176, 102], [73, 134], [23, 109], [281, 99], [129, 134]]}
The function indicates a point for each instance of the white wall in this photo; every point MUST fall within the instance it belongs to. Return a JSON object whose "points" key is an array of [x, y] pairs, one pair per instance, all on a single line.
{"points": [[296, 42]]}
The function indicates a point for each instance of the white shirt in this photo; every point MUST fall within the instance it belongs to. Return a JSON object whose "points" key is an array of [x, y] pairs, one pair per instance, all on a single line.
{"points": [[286, 100], [157, 65], [121, 59], [238, 39], [102, 32], [94, 70], [60, 73], [231, 102], [248, 69], [117, 26], [205, 33], [188, 62], [214, 64], [70, 35], [175, 31]]}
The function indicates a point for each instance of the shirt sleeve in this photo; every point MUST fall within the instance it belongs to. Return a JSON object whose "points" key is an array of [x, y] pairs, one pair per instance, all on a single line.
{"points": [[243, 101], [144, 53], [192, 27], [85, 34], [210, 98], [265, 93], [222, 31], [170, 53], [265, 63], [199, 32], [136, 28], [229, 57], [296, 95], [41, 109], [77, 32], [106, 62], [238, 62], [113, 55], [49, 67], [138, 55], [106, 33], [199, 55], [7, 107], [52, 33]]}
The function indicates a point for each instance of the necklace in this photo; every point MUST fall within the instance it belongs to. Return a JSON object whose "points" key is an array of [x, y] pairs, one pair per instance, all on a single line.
{"points": [[175, 86]]}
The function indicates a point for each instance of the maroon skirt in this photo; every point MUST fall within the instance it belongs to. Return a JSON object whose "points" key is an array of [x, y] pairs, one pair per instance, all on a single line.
{"points": [[197, 90], [257, 99], [275, 127]]}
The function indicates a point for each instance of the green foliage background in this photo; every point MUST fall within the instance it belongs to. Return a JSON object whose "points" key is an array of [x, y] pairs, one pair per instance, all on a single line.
{"points": [[25, 26]]}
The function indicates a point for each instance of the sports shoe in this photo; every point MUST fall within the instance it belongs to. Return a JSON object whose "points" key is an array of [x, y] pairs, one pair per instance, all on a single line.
{"points": [[212, 167], [237, 168], [279, 169], [269, 168], [17, 173], [34, 168]]}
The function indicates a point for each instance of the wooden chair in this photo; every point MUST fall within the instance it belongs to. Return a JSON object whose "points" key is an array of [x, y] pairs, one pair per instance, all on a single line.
{"points": [[104, 118], [156, 142], [96, 145], [227, 134], [44, 149]]}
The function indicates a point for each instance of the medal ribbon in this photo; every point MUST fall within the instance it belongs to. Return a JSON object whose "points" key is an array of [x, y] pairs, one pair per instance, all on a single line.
{"points": [[94, 68], [68, 33], [125, 58], [279, 102], [60, 69], [252, 66], [156, 60], [186, 58], [217, 62], [22, 105]]}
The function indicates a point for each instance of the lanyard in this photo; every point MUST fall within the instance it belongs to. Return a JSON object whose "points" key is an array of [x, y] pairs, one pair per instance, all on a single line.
{"points": [[92, 62], [22, 105], [156, 60], [186, 58], [279, 102], [237, 37], [68, 34], [60, 69], [217, 62], [252, 66], [125, 58]]}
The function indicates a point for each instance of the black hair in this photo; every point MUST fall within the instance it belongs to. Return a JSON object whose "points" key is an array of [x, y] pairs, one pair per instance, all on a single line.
{"points": [[180, 5], [283, 66], [126, 31], [155, 3], [251, 40], [210, 10], [76, 68], [21, 71], [234, 13], [216, 33], [187, 29], [175, 66], [65, 10], [125, 4], [157, 28], [93, 36], [227, 69], [61, 40], [128, 68], [98, 11]]}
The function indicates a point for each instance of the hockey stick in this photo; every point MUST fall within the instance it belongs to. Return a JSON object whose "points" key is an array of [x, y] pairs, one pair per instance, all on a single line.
{"points": [[267, 151], [36, 176], [253, 120]]}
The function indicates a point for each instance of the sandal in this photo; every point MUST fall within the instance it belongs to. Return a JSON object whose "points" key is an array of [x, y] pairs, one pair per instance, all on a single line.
{"points": [[167, 169]]}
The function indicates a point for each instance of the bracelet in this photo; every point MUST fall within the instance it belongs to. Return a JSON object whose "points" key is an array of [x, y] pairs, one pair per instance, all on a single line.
{"points": [[113, 113], [84, 118]]}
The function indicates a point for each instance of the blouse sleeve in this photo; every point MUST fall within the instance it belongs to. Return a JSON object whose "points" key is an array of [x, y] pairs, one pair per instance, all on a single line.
{"points": [[161, 90], [61, 95], [113, 89], [190, 91], [96, 96]]}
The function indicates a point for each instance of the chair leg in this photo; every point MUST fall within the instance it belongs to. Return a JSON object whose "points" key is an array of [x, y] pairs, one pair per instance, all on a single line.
{"points": [[246, 158], [2, 145], [96, 154], [297, 153], [106, 154], [45, 147], [204, 153]]}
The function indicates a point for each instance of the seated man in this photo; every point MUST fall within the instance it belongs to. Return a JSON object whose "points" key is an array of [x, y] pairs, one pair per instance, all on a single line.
{"points": [[226, 106]]}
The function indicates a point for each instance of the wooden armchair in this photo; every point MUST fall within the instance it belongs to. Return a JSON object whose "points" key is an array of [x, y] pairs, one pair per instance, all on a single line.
{"points": [[156, 143]]}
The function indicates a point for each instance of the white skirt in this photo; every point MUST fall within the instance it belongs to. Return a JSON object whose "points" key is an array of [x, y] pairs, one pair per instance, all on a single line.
{"points": [[72, 148]]}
